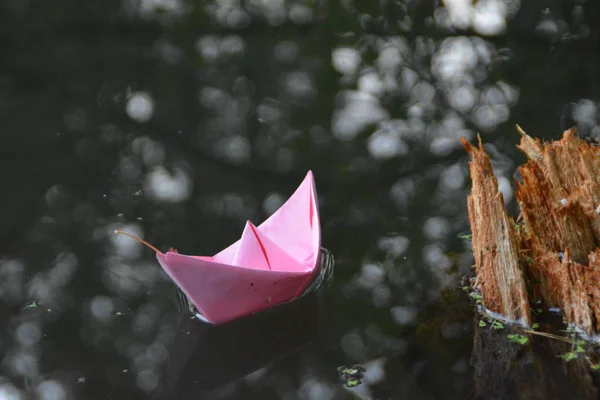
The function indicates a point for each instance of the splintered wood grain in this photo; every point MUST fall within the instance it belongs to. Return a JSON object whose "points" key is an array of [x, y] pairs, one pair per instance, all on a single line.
{"points": [[563, 284], [495, 242], [559, 195], [559, 201]]}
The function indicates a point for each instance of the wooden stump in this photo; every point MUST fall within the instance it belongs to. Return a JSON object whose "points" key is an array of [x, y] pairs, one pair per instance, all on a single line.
{"points": [[553, 256]]}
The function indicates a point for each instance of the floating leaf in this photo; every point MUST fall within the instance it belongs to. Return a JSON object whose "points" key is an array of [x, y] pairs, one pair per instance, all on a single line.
{"points": [[569, 356], [353, 382], [476, 296], [352, 376], [32, 305], [516, 338], [342, 370]]}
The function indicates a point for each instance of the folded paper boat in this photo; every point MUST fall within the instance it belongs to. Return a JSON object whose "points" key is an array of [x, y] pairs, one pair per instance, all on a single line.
{"points": [[270, 264]]}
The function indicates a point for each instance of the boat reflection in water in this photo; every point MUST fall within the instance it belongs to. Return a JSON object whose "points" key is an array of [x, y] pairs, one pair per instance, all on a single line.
{"points": [[204, 357]]}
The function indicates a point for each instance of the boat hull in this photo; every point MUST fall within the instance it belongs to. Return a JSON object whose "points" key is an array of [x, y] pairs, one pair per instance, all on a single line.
{"points": [[223, 293]]}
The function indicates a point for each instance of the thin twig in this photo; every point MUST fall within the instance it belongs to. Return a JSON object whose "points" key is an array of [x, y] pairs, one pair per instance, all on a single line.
{"points": [[549, 335]]}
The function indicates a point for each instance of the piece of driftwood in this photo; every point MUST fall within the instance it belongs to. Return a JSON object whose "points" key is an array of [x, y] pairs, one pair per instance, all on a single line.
{"points": [[553, 255]]}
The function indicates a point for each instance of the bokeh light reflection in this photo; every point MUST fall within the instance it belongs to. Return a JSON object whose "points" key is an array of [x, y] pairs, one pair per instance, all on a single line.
{"points": [[203, 115]]}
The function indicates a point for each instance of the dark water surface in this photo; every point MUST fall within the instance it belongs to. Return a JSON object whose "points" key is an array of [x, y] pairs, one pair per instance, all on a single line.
{"points": [[178, 121]]}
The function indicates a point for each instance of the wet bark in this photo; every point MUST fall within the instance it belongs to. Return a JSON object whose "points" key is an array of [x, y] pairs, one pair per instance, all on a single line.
{"points": [[505, 370]]}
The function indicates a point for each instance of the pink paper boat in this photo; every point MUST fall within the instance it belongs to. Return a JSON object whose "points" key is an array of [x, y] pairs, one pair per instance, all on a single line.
{"points": [[271, 263]]}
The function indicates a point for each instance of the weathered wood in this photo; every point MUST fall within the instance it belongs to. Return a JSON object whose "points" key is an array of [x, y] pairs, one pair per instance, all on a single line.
{"points": [[495, 244], [559, 201]]}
